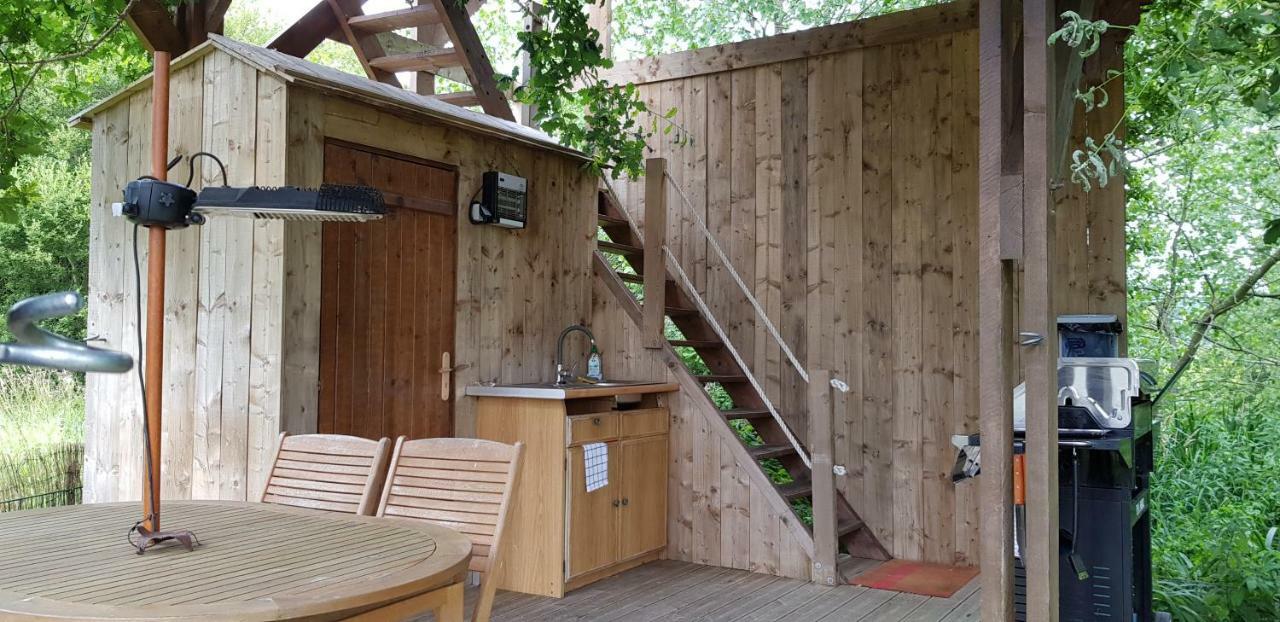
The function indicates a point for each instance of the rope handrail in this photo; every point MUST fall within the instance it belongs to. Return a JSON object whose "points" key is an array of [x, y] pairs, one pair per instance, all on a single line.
{"points": [[733, 272], [692, 291]]}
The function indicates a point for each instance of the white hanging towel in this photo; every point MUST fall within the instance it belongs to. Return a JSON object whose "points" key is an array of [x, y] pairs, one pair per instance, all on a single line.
{"points": [[595, 459]]}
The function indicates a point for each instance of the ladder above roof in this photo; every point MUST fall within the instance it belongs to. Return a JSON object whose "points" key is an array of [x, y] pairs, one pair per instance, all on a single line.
{"points": [[446, 45]]}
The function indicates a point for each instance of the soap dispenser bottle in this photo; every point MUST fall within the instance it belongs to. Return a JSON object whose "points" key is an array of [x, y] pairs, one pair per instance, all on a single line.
{"points": [[594, 370]]}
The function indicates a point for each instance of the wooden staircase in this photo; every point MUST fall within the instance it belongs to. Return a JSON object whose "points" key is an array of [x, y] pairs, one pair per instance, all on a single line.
{"points": [[620, 261], [446, 45]]}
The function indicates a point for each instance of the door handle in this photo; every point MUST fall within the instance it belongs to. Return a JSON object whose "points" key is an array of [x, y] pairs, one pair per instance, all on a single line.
{"points": [[446, 375]]}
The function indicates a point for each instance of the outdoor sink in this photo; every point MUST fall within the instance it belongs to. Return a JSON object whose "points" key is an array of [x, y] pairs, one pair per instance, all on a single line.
{"points": [[549, 389]]}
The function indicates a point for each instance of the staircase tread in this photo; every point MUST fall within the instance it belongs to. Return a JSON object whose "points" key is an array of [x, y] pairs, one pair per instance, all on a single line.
{"points": [[631, 278], [744, 413], [612, 220], [696, 343], [761, 452], [625, 249], [847, 526], [796, 489], [680, 311], [720, 378]]}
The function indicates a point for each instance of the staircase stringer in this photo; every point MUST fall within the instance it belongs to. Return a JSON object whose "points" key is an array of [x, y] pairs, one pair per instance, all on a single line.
{"points": [[695, 394]]}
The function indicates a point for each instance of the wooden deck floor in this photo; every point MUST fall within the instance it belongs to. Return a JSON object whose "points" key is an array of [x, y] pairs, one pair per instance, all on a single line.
{"points": [[672, 591]]}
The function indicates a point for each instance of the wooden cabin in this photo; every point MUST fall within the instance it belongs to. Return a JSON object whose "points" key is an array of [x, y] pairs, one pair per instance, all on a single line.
{"points": [[261, 314], [837, 170]]}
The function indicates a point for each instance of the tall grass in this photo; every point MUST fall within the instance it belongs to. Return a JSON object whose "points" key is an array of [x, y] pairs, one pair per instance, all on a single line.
{"points": [[41, 438], [1215, 507]]}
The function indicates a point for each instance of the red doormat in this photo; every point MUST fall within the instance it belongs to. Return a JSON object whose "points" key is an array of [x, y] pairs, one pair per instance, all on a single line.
{"points": [[917, 578]]}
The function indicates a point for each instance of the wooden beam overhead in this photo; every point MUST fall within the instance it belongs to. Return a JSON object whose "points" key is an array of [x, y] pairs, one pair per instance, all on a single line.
{"points": [[421, 15], [366, 46], [465, 99], [318, 24], [457, 22], [304, 35], [151, 21], [431, 61]]}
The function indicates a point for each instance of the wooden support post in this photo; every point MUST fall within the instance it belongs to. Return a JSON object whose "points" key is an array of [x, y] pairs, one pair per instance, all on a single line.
{"points": [[1039, 361], [821, 423], [153, 370], [532, 23], [995, 304], [655, 238]]}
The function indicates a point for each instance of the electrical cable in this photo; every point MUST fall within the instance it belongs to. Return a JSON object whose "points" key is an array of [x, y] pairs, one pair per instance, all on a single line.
{"points": [[142, 385], [191, 167]]}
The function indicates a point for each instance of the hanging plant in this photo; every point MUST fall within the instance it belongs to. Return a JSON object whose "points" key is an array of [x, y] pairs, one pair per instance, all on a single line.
{"points": [[1097, 162], [1078, 31]]}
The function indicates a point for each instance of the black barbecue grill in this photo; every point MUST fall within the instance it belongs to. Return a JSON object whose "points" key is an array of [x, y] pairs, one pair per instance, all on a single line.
{"points": [[1106, 439]]}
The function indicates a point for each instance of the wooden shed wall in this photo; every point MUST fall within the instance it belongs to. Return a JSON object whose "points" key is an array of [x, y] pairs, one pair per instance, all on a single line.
{"points": [[516, 289], [843, 188], [223, 303], [242, 296]]}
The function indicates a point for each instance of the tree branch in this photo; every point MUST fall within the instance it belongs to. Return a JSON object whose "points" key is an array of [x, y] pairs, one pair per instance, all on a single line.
{"points": [[1242, 293]]}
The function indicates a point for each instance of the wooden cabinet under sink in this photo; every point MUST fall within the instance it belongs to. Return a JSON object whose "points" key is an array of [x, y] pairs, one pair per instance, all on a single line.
{"points": [[559, 535]]}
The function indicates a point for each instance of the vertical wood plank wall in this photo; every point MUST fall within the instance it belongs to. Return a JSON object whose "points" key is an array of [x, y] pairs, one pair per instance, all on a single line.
{"points": [[224, 290], [715, 514], [516, 289], [843, 187], [242, 308]]}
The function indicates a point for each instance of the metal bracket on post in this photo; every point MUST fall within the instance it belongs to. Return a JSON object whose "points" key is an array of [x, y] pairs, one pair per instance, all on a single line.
{"points": [[1030, 339]]}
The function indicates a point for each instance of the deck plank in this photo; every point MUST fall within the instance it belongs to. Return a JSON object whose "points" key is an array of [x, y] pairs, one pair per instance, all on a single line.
{"points": [[672, 591]]}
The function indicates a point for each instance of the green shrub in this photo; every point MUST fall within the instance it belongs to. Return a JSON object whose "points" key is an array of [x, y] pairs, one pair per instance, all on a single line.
{"points": [[1215, 503]]}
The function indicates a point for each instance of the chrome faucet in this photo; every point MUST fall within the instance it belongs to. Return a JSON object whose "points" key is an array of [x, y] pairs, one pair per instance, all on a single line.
{"points": [[563, 376]]}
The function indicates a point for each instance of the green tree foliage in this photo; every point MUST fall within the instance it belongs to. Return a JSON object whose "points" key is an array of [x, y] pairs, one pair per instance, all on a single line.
{"points": [[1204, 152], [53, 57], [651, 27]]}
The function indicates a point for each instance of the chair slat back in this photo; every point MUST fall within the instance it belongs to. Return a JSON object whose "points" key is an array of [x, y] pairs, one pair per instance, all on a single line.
{"points": [[328, 472], [461, 483]]}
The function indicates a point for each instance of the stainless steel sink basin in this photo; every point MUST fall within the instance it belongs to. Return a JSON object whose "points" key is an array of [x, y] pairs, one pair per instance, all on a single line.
{"points": [[550, 389]]}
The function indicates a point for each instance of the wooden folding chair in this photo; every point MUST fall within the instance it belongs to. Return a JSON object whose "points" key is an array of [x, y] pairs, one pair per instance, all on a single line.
{"points": [[461, 483], [328, 472]]}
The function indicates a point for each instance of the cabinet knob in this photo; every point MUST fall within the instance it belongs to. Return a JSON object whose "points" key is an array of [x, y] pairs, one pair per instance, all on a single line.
{"points": [[595, 421], [625, 501], [616, 503]]}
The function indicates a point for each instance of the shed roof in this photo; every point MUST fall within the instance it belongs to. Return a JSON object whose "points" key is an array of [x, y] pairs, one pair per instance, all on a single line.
{"points": [[330, 80]]}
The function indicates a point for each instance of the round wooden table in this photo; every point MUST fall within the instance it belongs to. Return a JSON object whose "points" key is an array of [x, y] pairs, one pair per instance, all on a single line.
{"points": [[255, 562]]}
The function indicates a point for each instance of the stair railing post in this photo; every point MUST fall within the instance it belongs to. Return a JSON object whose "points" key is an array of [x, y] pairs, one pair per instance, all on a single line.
{"points": [[655, 235], [821, 422]]}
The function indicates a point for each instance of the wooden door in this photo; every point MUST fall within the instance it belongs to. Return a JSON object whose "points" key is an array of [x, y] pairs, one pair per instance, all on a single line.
{"points": [[387, 300], [643, 518], [592, 528]]}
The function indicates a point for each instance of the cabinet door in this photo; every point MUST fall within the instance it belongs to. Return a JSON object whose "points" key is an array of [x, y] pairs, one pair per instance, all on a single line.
{"points": [[591, 533], [643, 520]]}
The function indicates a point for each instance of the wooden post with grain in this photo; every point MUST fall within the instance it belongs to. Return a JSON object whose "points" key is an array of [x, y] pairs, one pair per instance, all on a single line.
{"points": [[999, 245], [655, 235], [1039, 360], [821, 421]]}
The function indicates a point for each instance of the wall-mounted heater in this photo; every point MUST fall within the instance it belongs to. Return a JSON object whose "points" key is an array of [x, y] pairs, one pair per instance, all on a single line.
{"points": [[150, 202], [503, 201], [329, 203]]}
